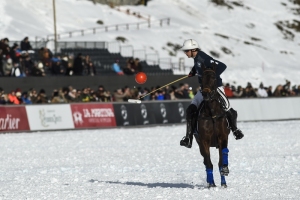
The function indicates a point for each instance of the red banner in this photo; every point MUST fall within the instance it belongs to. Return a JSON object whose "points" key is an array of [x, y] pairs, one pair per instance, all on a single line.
{"points": [[13, 118], [93, 115]]}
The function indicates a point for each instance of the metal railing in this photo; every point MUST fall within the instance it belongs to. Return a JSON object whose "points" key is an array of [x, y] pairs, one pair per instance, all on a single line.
{"points": [[116, 27]]}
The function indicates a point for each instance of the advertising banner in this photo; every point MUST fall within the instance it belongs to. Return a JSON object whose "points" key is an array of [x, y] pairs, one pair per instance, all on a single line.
{"points": [[93, 115], [50, 117], [134, 114], [13, 118], [169, 112]]}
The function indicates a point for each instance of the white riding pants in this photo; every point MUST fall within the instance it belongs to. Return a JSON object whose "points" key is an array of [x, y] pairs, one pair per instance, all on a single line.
{"points": [[198, 98]]}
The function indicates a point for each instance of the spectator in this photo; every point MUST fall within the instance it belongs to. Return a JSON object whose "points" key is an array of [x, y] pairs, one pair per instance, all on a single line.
{"points": [[172, 95], [238, 92], [16, 71], [38, 70], [13, 99], [167, 95], [103, 95], [45, 56], [191, 93], [119, 95], [27, 64], [42, 97], [261, 92], [15, 53], [4, 52], [159, 95], [25, 44], [33, 95], [78, 65], [228, 91], [3, 99], [85, 96], [25, 98], [7, 67], [56, 66], [89, 66], [138, 65], [58, 97], [129, 69], [269, 91], [249, 91], [116, 67], [64, 65], [144, 92]]}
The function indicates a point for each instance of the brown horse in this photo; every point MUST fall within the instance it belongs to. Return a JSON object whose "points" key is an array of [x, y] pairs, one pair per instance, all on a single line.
{"points": [[213, 128]]}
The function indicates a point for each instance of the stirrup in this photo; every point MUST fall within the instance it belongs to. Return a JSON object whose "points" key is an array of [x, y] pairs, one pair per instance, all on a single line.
{"points": [[238, 134], [186, 141]]}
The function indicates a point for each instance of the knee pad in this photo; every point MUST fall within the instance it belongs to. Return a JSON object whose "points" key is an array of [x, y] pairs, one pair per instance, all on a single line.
{"points": [[191, 111]]}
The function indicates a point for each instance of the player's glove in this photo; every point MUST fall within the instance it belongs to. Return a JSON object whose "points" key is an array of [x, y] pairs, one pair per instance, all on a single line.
{"points": [[192, 72]]}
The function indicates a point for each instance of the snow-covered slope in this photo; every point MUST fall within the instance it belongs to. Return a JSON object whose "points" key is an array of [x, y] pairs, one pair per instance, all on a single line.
{"points": [[244, 36]]}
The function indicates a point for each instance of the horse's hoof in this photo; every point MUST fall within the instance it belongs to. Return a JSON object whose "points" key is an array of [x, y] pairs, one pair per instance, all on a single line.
{"points": [[186, 143], [223, 185], [224, 171]]}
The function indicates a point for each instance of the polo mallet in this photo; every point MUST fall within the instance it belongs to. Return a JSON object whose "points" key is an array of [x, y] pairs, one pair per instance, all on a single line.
{"points": [[139, 100]]}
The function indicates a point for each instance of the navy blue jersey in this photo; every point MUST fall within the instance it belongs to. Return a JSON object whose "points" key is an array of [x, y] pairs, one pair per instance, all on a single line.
{"points": [[204, 59]]}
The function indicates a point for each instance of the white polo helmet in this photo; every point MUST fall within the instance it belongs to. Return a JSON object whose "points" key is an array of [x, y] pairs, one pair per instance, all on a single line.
{"points": [[190, 44]]}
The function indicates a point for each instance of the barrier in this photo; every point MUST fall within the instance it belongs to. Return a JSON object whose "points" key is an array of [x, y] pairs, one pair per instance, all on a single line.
{"points": [[109, 115]]}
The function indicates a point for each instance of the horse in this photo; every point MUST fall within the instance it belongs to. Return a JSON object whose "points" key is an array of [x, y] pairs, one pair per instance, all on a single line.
{"points": [[212, 129]]}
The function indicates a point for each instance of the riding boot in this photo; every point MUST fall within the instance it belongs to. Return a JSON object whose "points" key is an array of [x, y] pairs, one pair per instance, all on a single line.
{"points": [[232, 118], [191, 121], [187, 140]]}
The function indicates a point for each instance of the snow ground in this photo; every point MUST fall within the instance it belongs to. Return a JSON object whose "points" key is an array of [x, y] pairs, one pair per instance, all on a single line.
{"points": [[148, 163]]}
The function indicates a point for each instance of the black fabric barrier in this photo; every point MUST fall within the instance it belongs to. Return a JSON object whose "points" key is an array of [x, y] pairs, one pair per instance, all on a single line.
{"points": [[151, 112]]}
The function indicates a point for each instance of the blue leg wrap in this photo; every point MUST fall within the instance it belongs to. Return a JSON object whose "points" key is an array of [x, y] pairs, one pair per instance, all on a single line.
{"points": [[210, 176], [225, 156], [223, 181]]}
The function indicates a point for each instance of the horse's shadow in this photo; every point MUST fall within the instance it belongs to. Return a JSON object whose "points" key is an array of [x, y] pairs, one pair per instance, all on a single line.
{"points": [[151, 185]]}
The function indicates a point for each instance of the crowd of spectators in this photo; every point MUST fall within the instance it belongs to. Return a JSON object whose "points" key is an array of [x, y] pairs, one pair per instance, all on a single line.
{"points": [[16, 61], [24, 61], [183, 91]]}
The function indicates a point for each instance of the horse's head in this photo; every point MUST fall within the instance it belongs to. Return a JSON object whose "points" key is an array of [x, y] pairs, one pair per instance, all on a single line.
{"points": [[209, 83]]}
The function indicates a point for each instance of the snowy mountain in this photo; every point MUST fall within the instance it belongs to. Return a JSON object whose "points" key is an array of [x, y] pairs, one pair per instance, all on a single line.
{"points": [[258, 40]]}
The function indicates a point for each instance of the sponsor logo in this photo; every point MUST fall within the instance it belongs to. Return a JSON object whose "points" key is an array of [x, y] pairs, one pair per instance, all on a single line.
{"points": [[181, 112], [144, 114], [163, 112], [124, 115], [9, 123], [49, 117], [94, 115]]}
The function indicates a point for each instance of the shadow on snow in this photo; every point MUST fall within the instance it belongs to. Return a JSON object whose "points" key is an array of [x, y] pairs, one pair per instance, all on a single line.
{"points": [[151, 185]]}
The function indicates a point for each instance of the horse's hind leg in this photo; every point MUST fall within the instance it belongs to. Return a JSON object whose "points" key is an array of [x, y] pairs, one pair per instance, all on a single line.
{"points": [[204, 150]]}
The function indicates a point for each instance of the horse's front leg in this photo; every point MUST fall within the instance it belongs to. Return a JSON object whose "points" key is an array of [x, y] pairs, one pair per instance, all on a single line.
{"points": [[223, 156], [204, 145]]}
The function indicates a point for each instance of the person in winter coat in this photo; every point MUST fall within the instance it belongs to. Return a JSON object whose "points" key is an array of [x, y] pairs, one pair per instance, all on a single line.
{"points": [[78, 65], [25, 44]]}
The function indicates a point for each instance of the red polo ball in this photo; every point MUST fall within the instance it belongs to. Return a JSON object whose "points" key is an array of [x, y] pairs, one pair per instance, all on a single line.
{"points": [[141, 78]]}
